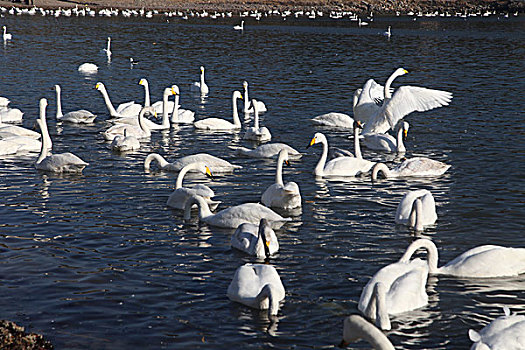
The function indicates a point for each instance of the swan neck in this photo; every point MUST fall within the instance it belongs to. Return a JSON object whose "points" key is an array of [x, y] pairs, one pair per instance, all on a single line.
{"points": [[46, 141], [416, 215], [357, 147], [355, 327], [400, 146], [204, 208], [175, 112], [255, 118], [382, 319], [183, 172], [267, 292], [279, 171], [236, 120], [431, 249], [155, 157], [147, 98], [246, 100], [165, 118], [59, 113], [109, 105], [142, 123], [319, 168], [380, 168], [387, 93]]}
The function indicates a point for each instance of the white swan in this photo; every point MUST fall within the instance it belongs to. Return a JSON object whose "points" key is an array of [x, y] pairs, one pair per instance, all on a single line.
{"points": [[368, 100], [257, 133], [386, 142], [334, 119], [88, 68], [258, 286], [268, 150], [418, 166], [7, 130], [57, 163], [257, 240], [484, 261], [217, 165], [280, 195], [417, 209], [356, 327], [4, 101], [181, 195], [395, 288], [81, 116], [126, 109], [388, 32], [248, 105], [16, 144], [239, 27], [505, 332], [340, 166], [405, 100], [222, 124], [125, 143], [107, 50], [6, 36], [234, 216], [140, 131], [11, 115], [159, 105], [200, 86], [179, 115]]}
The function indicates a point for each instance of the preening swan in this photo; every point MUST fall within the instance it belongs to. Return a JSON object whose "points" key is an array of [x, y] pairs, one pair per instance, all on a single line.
{"points": [[88, 68], [11, 115], [405, 100], [125, 143], [140, 131], [257, 133], [81, 116], [484, 261], [6, 36], [239, 27], [394, 289], [257, 240], [217, 165], [179, 115], [280, 195], [356, 327], [222, 124], [417, 209], [200, 86], [386, 142], [248, 105], [234, 216], [126, 109], [505, 332], [418, 166], [268, 150], [181, 195], [258, 286], [57, 163]]}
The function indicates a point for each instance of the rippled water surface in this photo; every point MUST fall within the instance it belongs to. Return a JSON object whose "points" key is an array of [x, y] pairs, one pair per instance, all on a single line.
{"points": [[98, 261]]}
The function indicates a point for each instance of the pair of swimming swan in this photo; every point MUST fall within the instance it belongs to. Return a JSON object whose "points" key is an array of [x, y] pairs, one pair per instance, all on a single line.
{"points": [[505, 332], [416, 209], [281, 195], [200, 86], [140, 131], [216, 164], [258, 286], [180, 196], [220, 124], [81, 116], [57, 163], [256, 132], [256, 240]]}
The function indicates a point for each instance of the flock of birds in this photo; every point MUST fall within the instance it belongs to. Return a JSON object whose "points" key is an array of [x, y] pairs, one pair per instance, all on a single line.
{"points": [[396, 288]]}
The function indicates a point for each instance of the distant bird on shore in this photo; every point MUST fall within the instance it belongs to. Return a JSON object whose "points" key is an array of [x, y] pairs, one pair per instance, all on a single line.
{"points": [[362, 23], [6, 36], [239, 27]]}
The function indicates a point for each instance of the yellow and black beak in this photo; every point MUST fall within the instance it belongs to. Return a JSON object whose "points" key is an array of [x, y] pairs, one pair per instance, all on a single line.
{"points": [[359, 125], [311, 143], [97, 86], [173, 91], [208, 172], [287, 163], [405, 133], [406, 72]]}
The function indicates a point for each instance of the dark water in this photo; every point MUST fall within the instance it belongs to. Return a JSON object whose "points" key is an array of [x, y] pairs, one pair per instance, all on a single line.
{"points": [[98, 261]]}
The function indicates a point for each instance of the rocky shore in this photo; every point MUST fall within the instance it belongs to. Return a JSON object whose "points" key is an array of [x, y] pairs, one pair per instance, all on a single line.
{"points": [[14, 337]]}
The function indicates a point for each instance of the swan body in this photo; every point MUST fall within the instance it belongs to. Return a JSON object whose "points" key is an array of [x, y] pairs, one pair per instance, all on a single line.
{"points": [[125, 143], [4, 101], [280, 195], [88, 68], [141, 131], [200, 86], [405, 100], [7, 130], [6, 36], [258, 286], [356, 327], [222, 124], [180, 116], [11, 115], [256, 240], [505, 332], [417, 209], [15, 144], [239, 27], [257, 133], [386, 142], [81, 116], [181, 195], [126, 109], [234, 216], [268, 150], [334, 119], [366, 100], [57, 163], [418, 166], [248, 104], [486, 261], [217, 165]]}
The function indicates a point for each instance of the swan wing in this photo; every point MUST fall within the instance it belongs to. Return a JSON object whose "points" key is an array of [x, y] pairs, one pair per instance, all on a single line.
{"points": [[62, 163], [421, 166], [215, 124], [248, 212], [407, 292], [347, 166], [405, 205], [216, 164], [245, 237], [80, 116], [203, 191], [366, 105], [380, 142]]}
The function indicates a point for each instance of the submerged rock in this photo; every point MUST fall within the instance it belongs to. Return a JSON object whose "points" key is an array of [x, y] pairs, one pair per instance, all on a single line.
{"points": [[14, 337]]}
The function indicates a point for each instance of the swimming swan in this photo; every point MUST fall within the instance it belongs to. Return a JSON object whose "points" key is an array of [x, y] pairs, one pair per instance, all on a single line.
{"points": [[200, 86], [484, 261], [280, 195], [405, 100], [257, 133], [248, 105], [256, 240], [159, 105], [368, 100], [356, 327], [57, 163], [338, 120], [268, 150], [125, 143], [386, 142], [418, 166], [181, 195], [217, 165], [126, 109], [179, 115], [81, 116], [6, 36], [239, 27], [417, 209], [107, 50], [222, 124], [88, 68], [140, 131], [258, 286], [505, 332], [234, 216]]}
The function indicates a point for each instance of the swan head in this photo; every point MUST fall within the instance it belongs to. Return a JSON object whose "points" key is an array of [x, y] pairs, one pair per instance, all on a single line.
{"points": [[57, 88], [283, 156], [175, 90], [405, 127], [318, 138], [264, 233], [245, 84], [100, 86], [357, 125], [400, 71], [202, 69], [43, 103], [142, 81], [236, 95], [168, 91]]}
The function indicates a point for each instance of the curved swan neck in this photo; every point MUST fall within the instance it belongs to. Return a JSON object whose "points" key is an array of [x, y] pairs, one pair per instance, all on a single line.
{"points": [[400, 146], [59, 113], [355, 328], [357, 147], [416, 215], [142, 124], [155, 157], [175, 112], [382, 319], [319, 168], [107, 100], [204, 209], [431, 251], [279, 173], [380, 168], [184, 171], [266, 292], [236, 120]]}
